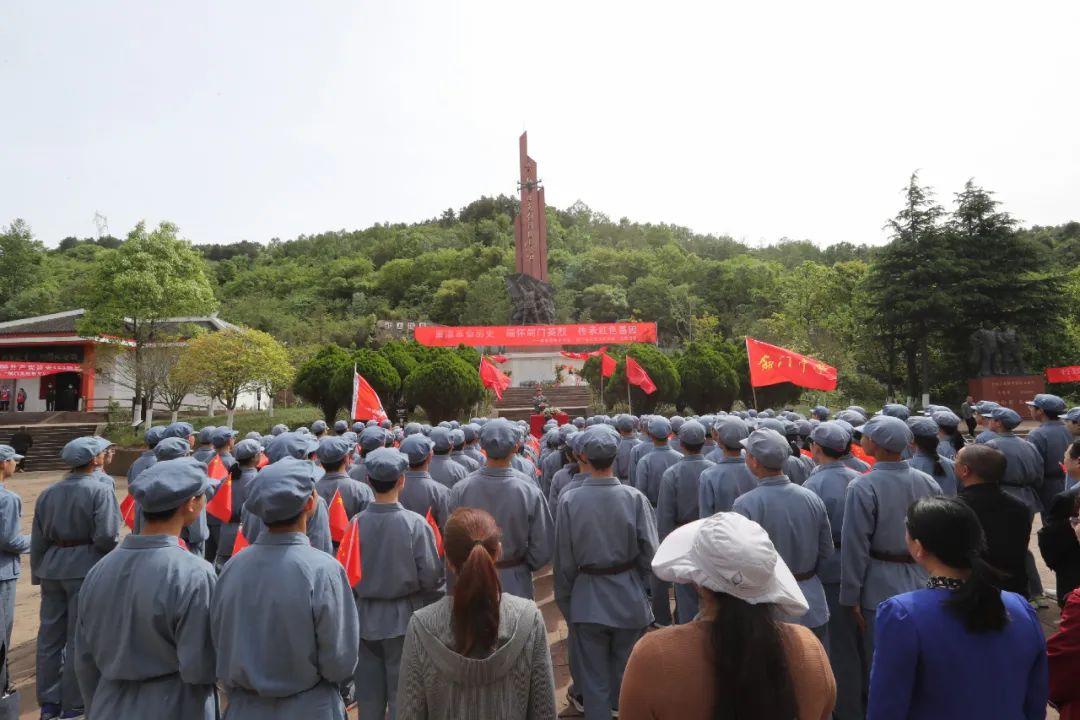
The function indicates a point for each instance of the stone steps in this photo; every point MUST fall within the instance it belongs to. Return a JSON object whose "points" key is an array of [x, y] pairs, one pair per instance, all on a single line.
{"points": [[49, 440]]}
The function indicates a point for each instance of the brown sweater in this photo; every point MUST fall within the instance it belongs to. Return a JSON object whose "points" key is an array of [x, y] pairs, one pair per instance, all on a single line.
{"points": [[670, 675]]}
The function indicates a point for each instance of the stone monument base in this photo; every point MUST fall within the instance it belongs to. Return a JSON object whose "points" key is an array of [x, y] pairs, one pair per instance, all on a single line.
{"points": [[535, 365], [1011, 391]]}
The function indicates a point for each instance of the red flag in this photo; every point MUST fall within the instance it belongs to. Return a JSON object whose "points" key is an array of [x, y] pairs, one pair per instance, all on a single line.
{"points": [[240, 542], [435, 529], [339, 519], [216, 468], [858, 452], [221, 504], [492, 377], [806, 453], [127, 511], [263, 461], [183, 545], [366, 404], [770, 365], [583, 355], [1070, 373], [636, 375], [607, 365], [348, 553], [498, 358]]}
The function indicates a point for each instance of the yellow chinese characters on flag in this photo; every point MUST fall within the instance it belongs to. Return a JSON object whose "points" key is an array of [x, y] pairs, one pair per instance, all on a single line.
{"points": [[770, 364]]}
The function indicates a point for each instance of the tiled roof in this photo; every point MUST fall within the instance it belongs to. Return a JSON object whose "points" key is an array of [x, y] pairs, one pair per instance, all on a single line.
{"points": [[64, 324]]}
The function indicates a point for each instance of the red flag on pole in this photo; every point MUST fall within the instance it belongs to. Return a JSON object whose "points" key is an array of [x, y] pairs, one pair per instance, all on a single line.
{"points": [[216, 469], [636, 375], [583, 355], [770, 364], [221, 504], [240, 542], [607, 365], [430, 517], [349, 553], [339, 519], [492, 377], [498, 358], [366, 404], [127, 511]]}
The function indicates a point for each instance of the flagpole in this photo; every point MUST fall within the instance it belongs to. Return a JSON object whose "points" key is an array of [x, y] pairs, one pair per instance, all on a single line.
{"points": [[750, 374], [629, 405]]}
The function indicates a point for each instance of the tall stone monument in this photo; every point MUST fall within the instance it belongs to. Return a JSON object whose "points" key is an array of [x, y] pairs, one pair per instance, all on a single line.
{"points": [[530, 294], [997, 358]]}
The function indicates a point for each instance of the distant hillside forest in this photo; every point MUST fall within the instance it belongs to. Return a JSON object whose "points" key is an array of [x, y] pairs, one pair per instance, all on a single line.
{"points": [[895, 319]]}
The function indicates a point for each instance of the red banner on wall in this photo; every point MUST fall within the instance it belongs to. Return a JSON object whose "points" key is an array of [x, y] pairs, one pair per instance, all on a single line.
{"points": [[23, 370], [770, 364], [553, 335], [1063, 374]]}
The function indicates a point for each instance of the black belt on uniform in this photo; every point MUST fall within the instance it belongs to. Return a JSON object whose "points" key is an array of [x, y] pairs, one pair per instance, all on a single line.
{"points": [[804, 576], [72, 543], [889, 557], [504, 564], [836, 544], [613, 570]]}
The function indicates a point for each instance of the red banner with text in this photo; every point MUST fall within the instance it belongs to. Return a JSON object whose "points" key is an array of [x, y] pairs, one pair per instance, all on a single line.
{"points": [[525, 335], [1063, 374], [770, 364], [22, 370]]}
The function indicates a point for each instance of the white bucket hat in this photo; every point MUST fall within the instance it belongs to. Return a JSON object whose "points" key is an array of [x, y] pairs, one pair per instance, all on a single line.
{"points": [[730, 554]]}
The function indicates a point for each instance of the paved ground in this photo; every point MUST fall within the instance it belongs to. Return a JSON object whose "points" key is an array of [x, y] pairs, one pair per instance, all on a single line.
{"points": [[28, 598]]}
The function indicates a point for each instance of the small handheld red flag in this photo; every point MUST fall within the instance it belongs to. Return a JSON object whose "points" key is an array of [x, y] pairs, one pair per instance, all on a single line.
{"points": [[349, 553], [607, 365], [127, 511], [430, 517], [339, 519], [636, 375], [240, 542], [221, 504], [263, 461], [216, 469], [492, 377]]}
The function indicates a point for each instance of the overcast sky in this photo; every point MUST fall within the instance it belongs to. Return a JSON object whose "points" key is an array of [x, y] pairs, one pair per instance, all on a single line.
{"points": [[258, 119]]}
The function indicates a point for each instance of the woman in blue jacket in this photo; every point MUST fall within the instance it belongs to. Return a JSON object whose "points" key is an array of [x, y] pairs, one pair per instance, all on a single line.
{"points": [[960, 647]]}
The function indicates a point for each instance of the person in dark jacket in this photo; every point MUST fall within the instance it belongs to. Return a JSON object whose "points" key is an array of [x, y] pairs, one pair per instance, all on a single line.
{"points": [[1006, 521], [1057, 541]]}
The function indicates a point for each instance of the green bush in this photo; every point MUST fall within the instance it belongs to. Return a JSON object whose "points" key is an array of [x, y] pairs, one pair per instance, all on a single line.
{"points": [[399, 356], [656, 364], [445, 388], [374, 368], [708, 380], [315, 379]]}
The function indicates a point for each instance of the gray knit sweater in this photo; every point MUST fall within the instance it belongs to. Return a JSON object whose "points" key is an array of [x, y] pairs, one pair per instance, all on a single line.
{"points": [[515, 681]]}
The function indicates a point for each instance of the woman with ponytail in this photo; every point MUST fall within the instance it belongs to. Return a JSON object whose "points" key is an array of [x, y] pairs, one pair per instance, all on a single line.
{"points": [[961, 647], [477, 653], [927, 457], [242, 472]]}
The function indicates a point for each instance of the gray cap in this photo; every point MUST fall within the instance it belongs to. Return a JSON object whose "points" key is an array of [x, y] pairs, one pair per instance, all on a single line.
{"points": [[221, 436], [659, 428], [385, 464], [946, 418], [291, 444], [247, 449], [498, 438], [1073, 415], [676, 422], [278, 429], [575, 440], [772, 424], [1047, 402], [319, 426], [282, 489], [731, 431], [457, 437], [357, 427], [333, 450], [922, 426], [178, 429], [851, 417], [171, 448], [768, 447], [372, 438], [254, 435], [472, 432], [859, 409], [417, 448], [8, 453], [896, 410], [692, 433], [821, 412], [350, 436], [600, 442], [625, 423], [831, 435], [153, 436], [440, 436], [983, 407], [205, 435], [168, 484], [412, 428], [579, 422], [1009, 418], [341, 427], [82, 450], [803, 428], [889, 432]]}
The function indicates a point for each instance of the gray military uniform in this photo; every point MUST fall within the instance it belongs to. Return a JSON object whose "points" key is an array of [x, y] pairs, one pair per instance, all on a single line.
{"points": [[470, 464], [720, 484], [677, 505], [355, 495], [240, 488], [286, 658], [1051, 439], [1023, 470], [318, 528], [445, 471], [13, 545], [145, 460], [421, 493], [651, 468], [521, 513], [143, 646], [946, 480], [639, 451], [548, 467], [627, 444], [401, 574]]}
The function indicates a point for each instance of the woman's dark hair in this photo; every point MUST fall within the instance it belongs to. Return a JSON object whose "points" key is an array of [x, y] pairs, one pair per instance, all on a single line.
{"points": [[471, 539], [950, 530], [835, 454], [1074, 450], [929, 445], [239, 466], [954, 437], [752, 675]]}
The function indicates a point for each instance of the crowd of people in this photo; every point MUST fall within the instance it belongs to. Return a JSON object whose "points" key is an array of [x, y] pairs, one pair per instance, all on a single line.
{"points": [[734, 565]]}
